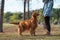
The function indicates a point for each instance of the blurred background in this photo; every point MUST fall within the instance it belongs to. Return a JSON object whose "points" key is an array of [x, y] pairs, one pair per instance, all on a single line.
{"points": [[14, 10], [18, 10]]}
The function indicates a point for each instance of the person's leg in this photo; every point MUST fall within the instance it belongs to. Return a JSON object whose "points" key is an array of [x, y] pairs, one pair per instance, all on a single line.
{"points": [[47, 24]]}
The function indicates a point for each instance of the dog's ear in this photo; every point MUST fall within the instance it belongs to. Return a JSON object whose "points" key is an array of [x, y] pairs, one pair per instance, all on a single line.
{"points": [[35, 14]]}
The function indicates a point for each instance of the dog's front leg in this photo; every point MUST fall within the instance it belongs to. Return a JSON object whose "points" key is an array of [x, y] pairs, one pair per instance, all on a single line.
{"points": [[32, 32]]}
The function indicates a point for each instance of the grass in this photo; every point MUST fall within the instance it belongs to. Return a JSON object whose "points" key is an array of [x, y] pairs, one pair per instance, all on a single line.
{"points": [[10, 33]]}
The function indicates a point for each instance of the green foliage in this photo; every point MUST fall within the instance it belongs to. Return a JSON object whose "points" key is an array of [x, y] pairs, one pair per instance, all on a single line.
{"points": [[18, 16], [8, 17], [56, 16], [14, 17], [40, 19]]}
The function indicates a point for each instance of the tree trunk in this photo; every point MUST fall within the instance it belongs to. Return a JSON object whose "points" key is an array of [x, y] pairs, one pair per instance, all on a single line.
{"points": [[28, 9], [24, 9], [1, 15]]}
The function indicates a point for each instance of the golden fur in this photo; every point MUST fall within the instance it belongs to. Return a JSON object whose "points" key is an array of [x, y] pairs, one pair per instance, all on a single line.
{"points": [[30, 24]]}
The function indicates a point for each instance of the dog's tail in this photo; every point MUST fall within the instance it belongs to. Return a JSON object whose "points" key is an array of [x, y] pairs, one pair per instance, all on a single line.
{"points": [[16, 23]]}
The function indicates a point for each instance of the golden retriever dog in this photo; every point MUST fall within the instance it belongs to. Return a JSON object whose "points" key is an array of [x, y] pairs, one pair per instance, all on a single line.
{"points": [[30, 24]]}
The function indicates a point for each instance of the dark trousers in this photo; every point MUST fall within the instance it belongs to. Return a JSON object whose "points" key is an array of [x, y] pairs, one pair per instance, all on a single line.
{"points": [[47, 23]]}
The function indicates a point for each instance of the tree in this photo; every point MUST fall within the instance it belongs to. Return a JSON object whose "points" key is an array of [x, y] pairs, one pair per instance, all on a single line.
{"points": [[7, 16], [24, 15], [1, 16], [28, 7], [20, 16], [24, 9], [56, 16], [14, 17], [26, 1]]}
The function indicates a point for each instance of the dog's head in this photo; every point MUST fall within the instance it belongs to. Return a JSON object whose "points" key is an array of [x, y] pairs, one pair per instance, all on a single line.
{"points": [[35, 14]]}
